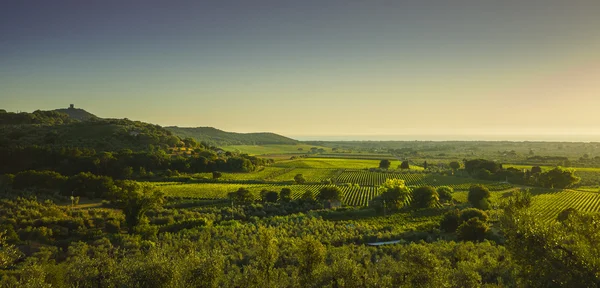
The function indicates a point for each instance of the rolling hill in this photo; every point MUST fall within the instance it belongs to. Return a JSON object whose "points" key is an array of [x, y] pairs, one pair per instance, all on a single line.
{"points": [[218, 137], [77, 114], [54, 129]]}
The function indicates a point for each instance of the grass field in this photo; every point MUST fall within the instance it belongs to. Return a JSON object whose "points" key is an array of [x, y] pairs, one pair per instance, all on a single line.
{"points": [[272, 149]]}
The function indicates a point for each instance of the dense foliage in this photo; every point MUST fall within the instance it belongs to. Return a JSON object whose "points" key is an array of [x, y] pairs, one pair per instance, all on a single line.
{"points": [[296, 230]]}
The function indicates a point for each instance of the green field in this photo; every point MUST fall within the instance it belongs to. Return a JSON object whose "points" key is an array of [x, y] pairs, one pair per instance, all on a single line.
{"points": [[272, 149], [337, 163]]}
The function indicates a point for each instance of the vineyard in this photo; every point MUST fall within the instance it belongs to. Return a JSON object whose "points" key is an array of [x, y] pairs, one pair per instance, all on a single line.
{"points": [[352, 195], [546, 206], [331, 163], [365, 178], [263, 173], [311, 175]]}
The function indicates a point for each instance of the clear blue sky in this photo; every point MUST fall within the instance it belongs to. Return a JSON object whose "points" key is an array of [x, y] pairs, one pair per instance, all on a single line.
{"points": [[310, 67]]}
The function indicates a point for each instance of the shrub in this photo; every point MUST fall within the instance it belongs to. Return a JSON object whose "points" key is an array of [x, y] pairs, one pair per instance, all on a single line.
{"points": [[299, 178], [472, 230], [445, 193], [330, 193], [479, 196], [467, 214], [450, 221], [424, 197], [565, 214]]}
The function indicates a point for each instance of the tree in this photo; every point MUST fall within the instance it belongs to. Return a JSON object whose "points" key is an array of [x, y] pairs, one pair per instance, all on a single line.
{"points": [[311, 255], [479, 196], [9, 254], [425, 166], [472, 230], [384, 164], [454, 165], [474, 165], [469, 213], [558, 178], [330, 193], [536, 170], [445, 193], [285, 195], [216, 175], [393, 195], [565, 214], [308, 196], [241, 196], [450, 221], [299, 178], [424, 197], [556, 253], [266, 256], [271, 196], [205, 269], [404, 165], [90, 185], [135, 199]]}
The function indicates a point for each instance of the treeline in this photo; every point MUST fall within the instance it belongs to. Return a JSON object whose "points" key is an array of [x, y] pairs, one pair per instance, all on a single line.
{"points": [[490, 170], [123, 164], [37, 117], [98, 134]]}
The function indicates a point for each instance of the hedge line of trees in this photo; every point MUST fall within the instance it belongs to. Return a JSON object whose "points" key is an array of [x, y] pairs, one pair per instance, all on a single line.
{"points": [[557, 177], [121, 164]]}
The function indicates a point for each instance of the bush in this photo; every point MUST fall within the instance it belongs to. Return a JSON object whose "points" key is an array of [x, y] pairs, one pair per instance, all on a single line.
{"points": [[299, 178], [479, 196], [285, 195], [38, 179], [330, 194], [424, 197], [472, 230], [445, 193], [450, 221], [565, 214], [113, 226], [467, 214]]}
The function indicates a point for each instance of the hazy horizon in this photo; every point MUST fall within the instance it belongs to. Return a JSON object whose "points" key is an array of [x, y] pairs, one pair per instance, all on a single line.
{"points": [[311, 67]]}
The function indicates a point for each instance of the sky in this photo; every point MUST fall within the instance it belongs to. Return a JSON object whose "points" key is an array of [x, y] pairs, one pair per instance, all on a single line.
{"points": [[311, 68]]}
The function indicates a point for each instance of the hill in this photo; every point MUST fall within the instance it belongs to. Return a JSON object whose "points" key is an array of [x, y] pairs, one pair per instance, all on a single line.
{"points": [[218, 137], [54, 129], [78, 114]]}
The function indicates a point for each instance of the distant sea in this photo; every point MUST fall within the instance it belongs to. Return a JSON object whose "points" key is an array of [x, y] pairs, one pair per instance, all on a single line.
{"points": [[495, 137]]}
